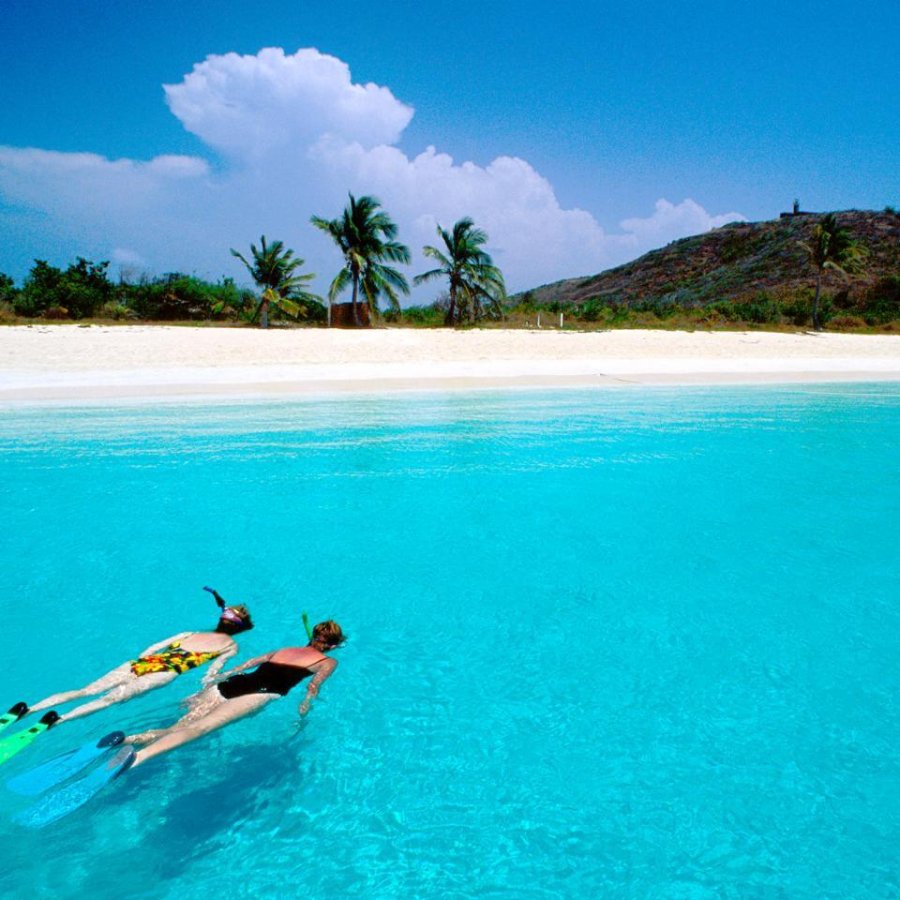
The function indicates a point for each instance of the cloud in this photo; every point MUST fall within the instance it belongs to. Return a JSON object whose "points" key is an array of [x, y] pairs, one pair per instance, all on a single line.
{"points": [[532, 238], [670, 221], [249, 107], [89, 185], [293, 134]]}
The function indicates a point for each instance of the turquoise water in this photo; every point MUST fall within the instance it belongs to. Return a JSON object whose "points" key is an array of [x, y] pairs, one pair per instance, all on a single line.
{"points": [[623, 644]]}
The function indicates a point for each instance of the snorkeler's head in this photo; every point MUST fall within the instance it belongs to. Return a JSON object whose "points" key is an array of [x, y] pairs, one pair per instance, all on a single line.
{"points": [[234, 619], [327, 635]]}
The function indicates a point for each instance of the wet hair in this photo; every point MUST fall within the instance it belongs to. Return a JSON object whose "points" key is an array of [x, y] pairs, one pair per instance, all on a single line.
{"points": [[234, 620], [328, 633]]}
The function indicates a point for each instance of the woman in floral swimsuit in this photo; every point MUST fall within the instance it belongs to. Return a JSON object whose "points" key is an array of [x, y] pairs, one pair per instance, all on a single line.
{"points": [[160, 664]]}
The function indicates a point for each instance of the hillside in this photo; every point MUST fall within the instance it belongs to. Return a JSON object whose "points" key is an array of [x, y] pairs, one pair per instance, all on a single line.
{"points": [[736, 263]]}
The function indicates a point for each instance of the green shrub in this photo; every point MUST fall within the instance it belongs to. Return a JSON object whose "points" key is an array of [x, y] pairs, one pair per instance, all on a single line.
{"points": [[177, 296], [761, 310], [725, 311], [8, 291], [80, 289], [591, 310], [882, 301], [798, 312], [117, 310], [431, 316]]}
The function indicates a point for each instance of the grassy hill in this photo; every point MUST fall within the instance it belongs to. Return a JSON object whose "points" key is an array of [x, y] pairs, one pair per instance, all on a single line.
{"points": [[756, 271]]}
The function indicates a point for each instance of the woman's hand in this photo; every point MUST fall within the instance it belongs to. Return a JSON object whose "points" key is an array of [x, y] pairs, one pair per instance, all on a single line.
{"points": [[304, 707]]}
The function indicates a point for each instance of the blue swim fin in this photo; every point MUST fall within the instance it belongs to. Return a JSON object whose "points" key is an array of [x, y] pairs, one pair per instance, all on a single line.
{"points": [[13, 715], [57, 770], [70, 797]]}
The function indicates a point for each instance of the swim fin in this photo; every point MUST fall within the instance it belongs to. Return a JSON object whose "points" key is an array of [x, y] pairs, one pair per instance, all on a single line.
{"points": [[67, 799], [57, 770], [16, 743], [13, 715]]}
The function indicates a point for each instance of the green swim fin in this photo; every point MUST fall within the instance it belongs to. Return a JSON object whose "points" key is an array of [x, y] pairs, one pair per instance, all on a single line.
{"points": [[15, 713], [17, 742]]}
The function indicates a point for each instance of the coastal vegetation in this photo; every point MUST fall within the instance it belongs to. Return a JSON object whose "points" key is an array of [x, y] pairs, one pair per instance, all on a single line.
{"points": [[84, 291], [274, 271], [475, 283], [831, 247], [365, 235], [840, 271], [745, 274]]}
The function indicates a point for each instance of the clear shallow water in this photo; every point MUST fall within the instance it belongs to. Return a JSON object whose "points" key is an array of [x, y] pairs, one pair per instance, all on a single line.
{"points": [[633, 643]]}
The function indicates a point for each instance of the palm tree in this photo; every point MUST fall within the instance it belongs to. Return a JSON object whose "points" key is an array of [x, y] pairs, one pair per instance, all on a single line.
{"points": [[274, 269], [474, 279], [831, 247], [365, 235]]}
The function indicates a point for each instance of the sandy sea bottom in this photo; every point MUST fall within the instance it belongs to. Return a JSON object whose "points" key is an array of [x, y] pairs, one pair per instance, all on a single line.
{"points": [[638, 643]]}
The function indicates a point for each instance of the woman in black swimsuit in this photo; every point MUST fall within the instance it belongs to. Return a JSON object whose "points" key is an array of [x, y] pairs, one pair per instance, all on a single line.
{"points": [[236, 695]]}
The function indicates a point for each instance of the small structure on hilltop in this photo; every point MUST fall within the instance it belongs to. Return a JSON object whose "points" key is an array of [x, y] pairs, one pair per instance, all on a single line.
{"points": [[796, 211]]}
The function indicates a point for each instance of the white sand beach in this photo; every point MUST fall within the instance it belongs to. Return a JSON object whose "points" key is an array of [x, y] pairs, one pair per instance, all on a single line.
{"points": [[61, 363]]}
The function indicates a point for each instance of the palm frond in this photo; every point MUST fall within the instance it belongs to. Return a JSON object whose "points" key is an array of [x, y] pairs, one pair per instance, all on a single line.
{"points": [[428, 276], [340, 283], [365, 234], [474, 279]]}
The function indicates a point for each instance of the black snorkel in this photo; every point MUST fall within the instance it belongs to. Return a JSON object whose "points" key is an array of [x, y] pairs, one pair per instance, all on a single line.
{"points": [[233, 620], [218, 597]]}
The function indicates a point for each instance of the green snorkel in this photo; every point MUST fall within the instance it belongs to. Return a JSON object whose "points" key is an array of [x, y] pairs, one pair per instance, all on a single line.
{"points": [[305, 618]]}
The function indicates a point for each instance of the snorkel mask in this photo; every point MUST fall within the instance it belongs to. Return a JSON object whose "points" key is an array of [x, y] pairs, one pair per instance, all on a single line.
{"points": [[236, 616]]}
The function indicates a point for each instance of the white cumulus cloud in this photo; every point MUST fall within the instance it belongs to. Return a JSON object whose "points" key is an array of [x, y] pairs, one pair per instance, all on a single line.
{"points": [[294, 134], [670, 221], [253, 106]]}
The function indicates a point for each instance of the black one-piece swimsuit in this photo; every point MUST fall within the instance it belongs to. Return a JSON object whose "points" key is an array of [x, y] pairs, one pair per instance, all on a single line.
{"points": [[267, 678]]}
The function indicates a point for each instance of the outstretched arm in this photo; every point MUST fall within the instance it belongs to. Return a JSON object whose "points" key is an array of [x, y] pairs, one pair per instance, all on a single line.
{"points": [[321, 675], [170, 640], [216, 665], [250, 664]]}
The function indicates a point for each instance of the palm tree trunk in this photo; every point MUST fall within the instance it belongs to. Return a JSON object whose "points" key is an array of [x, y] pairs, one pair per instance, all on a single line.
{"points": [[264, 314], [815, 310], [451, 310], [355, 299]]}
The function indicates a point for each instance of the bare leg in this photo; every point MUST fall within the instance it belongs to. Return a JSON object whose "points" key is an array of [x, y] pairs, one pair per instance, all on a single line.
{"points": [[199, 705], [112, 679], [131, 688], [187, 729]]}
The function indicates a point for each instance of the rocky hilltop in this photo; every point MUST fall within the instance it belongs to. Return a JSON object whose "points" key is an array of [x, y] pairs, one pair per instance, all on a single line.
{"points": [[736, 263]]}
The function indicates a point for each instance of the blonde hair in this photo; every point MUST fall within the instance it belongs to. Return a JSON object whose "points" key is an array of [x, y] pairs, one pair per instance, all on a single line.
{"points": [[328, 633]]}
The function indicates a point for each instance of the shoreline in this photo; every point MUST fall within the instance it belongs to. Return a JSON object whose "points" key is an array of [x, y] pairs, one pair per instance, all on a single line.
{"points": [[61, 364]]}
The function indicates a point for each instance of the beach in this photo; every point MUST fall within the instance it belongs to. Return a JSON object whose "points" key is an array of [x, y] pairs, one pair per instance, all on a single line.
{"points": [[96, 363]]}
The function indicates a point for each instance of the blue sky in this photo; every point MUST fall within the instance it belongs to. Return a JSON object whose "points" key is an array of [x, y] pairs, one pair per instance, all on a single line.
{"points": [[630, 124]]}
